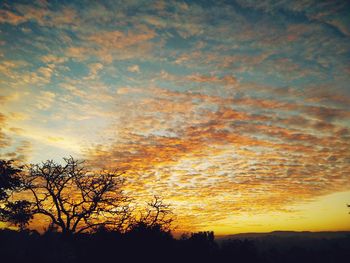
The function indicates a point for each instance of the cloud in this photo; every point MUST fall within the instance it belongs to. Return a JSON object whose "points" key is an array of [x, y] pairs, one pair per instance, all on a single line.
{"points": [[134, 69], [53, 59], [79, 53], [10, 17], [9, 148], [5, 141], [55, 139], [119, 40], [45, 100], [22, 151], [40, 14], [128, 90], [7, 67], [172, 142], [226, 80], [46, 72], [94, 68], [115, 45]]}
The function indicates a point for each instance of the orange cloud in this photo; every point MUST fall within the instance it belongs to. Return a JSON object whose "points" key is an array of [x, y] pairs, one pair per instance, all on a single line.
{"points": [[108, 45], [10, 17], [9, 149], [205, 161], [4, 139], [119, 40], [227, 80], [40, 14]]}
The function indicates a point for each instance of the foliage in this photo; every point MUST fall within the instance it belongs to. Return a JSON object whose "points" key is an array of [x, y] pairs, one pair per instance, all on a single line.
{"points": [[9, 180], [18, 213], [15, 212]]}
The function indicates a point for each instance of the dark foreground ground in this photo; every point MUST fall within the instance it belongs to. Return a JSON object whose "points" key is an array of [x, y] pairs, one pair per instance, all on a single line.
{"points": [[156, 246]]}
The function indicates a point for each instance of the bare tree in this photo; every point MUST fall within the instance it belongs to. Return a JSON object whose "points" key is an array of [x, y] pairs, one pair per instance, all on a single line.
{"points": [[157, 214], [74, 199]]}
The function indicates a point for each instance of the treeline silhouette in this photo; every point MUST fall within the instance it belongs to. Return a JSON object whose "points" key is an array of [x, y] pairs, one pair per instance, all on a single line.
{"points": [[144, 244]]}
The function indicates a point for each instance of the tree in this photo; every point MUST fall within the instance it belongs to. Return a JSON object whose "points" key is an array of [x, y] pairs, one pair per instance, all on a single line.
{"points": [[9, 179], [17, 213], [156, 215], [152, 224], [73, 199]]}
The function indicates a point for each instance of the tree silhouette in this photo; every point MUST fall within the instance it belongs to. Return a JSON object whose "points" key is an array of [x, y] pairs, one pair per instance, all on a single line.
{"points": [[9, 179], [17, 213], [157, 214], [74, 199], [153, 221]]}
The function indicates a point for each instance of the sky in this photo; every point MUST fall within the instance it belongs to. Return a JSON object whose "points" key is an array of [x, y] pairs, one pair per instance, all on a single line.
{"points": [[237, 113]]}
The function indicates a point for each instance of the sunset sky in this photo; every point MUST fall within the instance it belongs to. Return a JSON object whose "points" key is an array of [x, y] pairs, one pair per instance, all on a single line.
{"points": [[235, 112]]}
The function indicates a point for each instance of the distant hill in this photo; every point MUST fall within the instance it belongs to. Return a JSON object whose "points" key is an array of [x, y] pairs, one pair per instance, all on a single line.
{"points": [[286, 241], [288, 234]]}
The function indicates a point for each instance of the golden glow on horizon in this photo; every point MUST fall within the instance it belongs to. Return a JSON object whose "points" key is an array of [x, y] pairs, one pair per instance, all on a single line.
{"points": [[327, 213]]}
